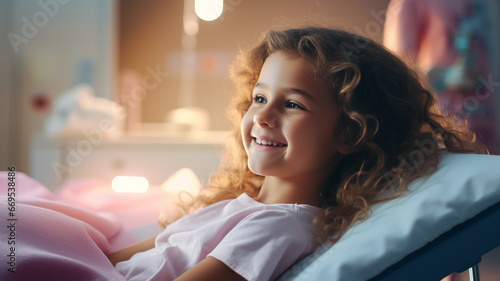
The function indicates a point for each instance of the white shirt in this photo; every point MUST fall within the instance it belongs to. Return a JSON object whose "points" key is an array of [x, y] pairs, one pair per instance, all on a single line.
{"points": [[258, 241]]}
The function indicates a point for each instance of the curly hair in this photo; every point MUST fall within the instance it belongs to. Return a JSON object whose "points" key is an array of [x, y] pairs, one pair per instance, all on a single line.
{"points": [[387, 115]]}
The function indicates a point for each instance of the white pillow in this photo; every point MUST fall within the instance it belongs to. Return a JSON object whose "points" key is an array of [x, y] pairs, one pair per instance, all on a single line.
{"points": [[463, 186]]}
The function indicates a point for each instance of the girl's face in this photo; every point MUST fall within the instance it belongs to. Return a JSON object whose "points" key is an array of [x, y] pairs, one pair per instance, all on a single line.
{"points": [[288, 129]]}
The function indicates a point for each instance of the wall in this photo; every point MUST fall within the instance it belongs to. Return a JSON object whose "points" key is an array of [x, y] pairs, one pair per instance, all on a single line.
{"points": [[5, 76], [151, 30], [42, 43]]}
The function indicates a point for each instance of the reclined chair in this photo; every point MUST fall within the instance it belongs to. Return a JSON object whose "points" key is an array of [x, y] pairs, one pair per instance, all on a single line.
{"points": [[444, 224]]}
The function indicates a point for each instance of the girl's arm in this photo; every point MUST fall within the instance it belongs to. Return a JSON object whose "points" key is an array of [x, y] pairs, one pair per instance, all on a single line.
{"points": [[210, 269], [127, 253], [207, 269]]}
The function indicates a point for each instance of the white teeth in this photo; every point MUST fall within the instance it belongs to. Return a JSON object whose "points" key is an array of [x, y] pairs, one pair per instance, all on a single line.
{"points": [[270, 143]]}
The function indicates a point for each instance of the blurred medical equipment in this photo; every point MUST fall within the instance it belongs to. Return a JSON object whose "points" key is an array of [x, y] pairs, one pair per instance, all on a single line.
{"points": [[78, 110]]}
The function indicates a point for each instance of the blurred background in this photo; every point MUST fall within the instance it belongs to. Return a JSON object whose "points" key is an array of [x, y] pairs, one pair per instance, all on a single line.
{"points": [[157, 73]]}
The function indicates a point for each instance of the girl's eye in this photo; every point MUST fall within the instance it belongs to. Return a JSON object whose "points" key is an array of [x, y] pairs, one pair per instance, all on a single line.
{"points": [[294, 105], [259, 99]]}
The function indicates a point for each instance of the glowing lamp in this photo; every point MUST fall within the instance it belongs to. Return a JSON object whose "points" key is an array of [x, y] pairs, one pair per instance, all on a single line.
{"points": [[208, 10], [130, 184], [183, 180]]}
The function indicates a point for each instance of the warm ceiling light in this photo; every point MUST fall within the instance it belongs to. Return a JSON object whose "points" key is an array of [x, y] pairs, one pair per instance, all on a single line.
{"points": [[208, 10], [130, 184]]}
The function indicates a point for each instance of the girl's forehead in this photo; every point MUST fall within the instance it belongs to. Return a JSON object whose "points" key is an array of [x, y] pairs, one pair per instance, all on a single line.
{"points": [[281, 71], [314, 66], [284, 67]]}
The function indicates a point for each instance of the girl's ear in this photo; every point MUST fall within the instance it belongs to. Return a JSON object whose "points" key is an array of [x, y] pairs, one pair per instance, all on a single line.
{"points": [[346, 149]]}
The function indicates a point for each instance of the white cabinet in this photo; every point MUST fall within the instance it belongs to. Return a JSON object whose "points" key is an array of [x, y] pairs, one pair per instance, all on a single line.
{"points": [[156, 158]]}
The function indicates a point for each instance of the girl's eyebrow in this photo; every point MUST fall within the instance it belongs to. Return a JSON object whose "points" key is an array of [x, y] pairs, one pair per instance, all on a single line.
{"points": [[293, 90]]}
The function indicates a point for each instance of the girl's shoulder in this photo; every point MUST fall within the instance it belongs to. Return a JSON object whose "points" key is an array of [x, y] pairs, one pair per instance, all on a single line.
{"points": [[244, 200], [244, 208]]}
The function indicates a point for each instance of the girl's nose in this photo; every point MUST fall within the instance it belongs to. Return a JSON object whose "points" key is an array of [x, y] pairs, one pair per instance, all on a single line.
{"points": [[266, 117]]}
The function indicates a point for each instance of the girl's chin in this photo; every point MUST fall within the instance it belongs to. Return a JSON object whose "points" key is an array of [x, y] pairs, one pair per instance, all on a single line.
{"points": [[262, 171]]}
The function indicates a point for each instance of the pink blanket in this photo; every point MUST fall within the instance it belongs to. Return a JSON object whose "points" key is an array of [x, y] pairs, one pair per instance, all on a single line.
{"points": [[45, 238]]}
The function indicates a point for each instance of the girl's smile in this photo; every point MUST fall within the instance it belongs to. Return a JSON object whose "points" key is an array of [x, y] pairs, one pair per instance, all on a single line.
{"points": [[267, 143], [288, 130]]}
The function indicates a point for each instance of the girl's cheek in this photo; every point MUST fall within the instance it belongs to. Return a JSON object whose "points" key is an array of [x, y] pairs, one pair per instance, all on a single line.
{"points": [[247, 118], [246, 127]]}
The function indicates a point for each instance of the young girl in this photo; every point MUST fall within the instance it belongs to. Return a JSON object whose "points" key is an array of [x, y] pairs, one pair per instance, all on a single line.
{"points": [[327, 123]]}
